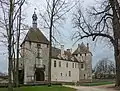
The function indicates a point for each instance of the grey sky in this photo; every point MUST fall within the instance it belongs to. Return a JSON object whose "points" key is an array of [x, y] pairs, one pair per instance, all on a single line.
{"points": [[101, 50]]}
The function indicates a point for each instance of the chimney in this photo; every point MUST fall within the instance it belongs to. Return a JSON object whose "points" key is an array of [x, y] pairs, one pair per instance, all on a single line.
{"points": [[62, 50], [88, 46]]}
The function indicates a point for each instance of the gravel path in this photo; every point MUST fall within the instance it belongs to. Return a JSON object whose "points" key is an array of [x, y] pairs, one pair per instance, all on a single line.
{"points": [[86, 88]]}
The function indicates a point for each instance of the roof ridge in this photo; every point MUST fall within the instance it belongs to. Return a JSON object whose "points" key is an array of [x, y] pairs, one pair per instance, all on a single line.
{"points": [[35, 35], [81, 49]]}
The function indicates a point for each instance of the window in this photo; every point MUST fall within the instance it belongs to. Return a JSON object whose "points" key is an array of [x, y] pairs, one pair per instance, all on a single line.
{"points": [[67, 64], [85, 54], [54, 63], [66, 74], [84, 76], [47, 46], [69, 73], [75, 65], [61, 74], [59, 63], [38, 45], [82, 66], [38, 55], [80, 54], [72, 65], [39, 52]]}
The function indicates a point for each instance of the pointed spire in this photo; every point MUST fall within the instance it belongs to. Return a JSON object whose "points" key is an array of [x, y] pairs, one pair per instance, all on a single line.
{"points": [[34, 17]]}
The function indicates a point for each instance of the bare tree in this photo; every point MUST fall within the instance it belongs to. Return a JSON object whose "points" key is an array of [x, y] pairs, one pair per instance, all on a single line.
{"points": [[104, 69], [18, 40], [103, 21], [10, 43], [53, 16], [10, 10]]}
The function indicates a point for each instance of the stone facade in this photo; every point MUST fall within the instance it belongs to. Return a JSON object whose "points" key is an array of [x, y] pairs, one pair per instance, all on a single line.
{"points": [[66, 66], [34, 58], [79, 67]]}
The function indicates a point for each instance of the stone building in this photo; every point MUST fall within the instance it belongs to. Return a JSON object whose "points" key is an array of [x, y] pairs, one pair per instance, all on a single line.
{"points": [[66, 66]]}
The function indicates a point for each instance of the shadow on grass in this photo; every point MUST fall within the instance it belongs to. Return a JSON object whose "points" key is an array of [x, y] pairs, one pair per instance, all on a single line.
{"points": [[41, 88]]}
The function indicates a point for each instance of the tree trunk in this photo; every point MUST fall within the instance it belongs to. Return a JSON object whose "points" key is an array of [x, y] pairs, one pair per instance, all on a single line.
{"points": [[10, 45], [116, 34], [10, 69], [50, 47], [117, 60], [18, 38], [14, 67]]}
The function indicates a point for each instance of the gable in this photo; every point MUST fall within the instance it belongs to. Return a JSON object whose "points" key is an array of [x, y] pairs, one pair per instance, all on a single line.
{"points": [[35, 35]]}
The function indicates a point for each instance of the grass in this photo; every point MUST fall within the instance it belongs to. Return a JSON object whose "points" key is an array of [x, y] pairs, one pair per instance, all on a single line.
{"points": [[41, 88], [96, 83]]}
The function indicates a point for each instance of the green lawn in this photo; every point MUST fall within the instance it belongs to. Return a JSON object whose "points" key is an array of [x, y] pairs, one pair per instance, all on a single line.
{"points": [[41, 88], [96, 83]]}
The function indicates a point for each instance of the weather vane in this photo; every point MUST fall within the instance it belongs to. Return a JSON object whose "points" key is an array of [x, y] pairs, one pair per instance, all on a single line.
{"points": [[35, 9]]}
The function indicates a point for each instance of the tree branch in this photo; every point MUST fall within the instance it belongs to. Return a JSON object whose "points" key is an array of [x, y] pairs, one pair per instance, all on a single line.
{"points": [[22, 2], [99, 34]]}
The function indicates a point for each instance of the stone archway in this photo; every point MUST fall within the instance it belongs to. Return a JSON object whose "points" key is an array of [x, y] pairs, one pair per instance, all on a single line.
{"points": [[39, 75]]}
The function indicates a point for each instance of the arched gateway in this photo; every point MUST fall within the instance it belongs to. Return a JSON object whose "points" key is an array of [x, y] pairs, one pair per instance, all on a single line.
{"points": [[39, 74]]}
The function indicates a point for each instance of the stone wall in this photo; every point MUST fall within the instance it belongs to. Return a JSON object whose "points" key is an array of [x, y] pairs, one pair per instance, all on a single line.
{"points": [[29, 50]]}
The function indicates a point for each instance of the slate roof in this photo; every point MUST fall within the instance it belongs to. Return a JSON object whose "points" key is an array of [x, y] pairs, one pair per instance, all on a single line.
{"points": [[81, 49], [57, 51], [35, 35]]}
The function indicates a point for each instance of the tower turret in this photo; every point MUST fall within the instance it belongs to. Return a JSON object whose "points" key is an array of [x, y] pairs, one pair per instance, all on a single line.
{"points": [[34, 22]]}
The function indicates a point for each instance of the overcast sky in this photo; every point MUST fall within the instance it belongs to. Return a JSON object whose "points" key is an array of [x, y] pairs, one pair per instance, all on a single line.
{"points": [[101, 50]]}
